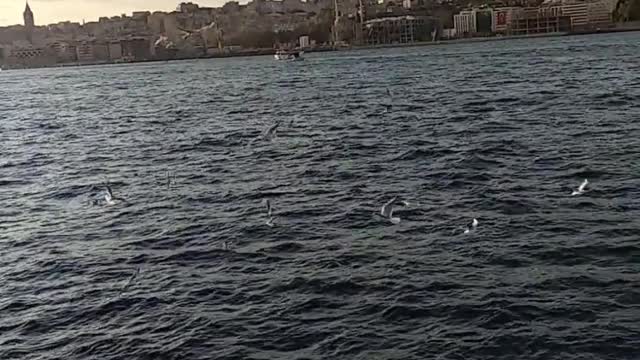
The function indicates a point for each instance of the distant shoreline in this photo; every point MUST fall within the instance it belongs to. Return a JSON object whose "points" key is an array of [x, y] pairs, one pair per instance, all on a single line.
{"points": [[493, 38], [268, 52]]}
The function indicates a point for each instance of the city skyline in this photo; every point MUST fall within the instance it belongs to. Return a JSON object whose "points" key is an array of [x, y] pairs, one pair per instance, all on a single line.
{"points": [[54, 11]]}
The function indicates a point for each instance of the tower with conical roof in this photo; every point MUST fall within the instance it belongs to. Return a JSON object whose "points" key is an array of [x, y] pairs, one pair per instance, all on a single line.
{"points": [[28, 22]]}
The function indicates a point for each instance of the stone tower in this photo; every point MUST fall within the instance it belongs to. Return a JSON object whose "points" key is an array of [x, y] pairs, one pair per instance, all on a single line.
{"points": [[28, 23]]}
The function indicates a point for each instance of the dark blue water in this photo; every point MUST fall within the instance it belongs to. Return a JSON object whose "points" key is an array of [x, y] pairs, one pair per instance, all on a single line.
{"points": [[501, 131]]}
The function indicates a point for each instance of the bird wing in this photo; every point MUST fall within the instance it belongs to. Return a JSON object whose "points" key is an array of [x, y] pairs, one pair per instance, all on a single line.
{"points": [[186, 31], [387, 209], [272, 129], [474, 223], [268, 205], [135, 274], [583, 185], [109, 192], [130, 281]]}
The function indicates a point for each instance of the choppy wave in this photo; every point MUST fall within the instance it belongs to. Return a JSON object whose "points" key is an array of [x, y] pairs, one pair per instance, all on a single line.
{"points": [[502, 132]]}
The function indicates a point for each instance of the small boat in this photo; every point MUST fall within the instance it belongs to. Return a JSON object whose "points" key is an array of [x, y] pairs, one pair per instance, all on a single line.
{"points": [[289, 55]]}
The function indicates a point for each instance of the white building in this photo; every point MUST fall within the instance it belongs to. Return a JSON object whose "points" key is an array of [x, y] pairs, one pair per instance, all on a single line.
{"points": [[577, 12], [503, 17], [591, 13], [304, 42], [475, 21], [465, 22]]}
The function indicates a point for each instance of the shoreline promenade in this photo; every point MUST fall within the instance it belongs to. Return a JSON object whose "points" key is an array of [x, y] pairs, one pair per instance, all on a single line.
{"points": [[269, 52]]}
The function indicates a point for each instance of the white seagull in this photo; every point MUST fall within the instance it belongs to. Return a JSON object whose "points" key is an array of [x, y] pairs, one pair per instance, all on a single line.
{"points": [[269, 222], [472, 226], [267, 204], [108, 197], [188, 33], [387, 210], [581, 189]]}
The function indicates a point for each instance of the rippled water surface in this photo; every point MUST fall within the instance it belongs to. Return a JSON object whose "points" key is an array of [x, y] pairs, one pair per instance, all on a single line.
{"points": [[500, 131]]}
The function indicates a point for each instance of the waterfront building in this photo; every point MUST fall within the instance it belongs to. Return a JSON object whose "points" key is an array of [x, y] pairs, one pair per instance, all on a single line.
{"points": [[400, 29], [600, 13], [532, 21], [473, 22], [84, 52], [136, 49], [304, 42], [92, 52], [578, 12], [484, 21], [586, 14], [115, 50], [503, 18], [65, 52], [465, 23], [20, 58]]}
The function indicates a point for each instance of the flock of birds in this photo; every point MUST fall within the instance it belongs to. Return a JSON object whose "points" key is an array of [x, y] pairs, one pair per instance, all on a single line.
{"points": [[270, 134], [386, 211]]}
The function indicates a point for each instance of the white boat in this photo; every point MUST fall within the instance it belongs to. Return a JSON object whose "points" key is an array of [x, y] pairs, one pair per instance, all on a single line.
{"points": [[289, 55]]}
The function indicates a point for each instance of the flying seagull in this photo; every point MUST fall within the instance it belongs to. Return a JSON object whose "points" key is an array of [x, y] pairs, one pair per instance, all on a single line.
{"points": [[171, 179], [269, 222], [108, 197], [268, 134], [131, 280], [389, 105], [387, 210], [472, 226], [581, 189], [267, 204], [271, 132], [188, 33]]}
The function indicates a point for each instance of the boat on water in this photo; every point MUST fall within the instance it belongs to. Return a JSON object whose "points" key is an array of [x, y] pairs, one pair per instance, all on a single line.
{"points": [[289, 55]]}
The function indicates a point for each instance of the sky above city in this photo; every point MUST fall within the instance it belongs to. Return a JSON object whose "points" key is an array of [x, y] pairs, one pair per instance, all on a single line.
{"points": [[53, 11]]}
